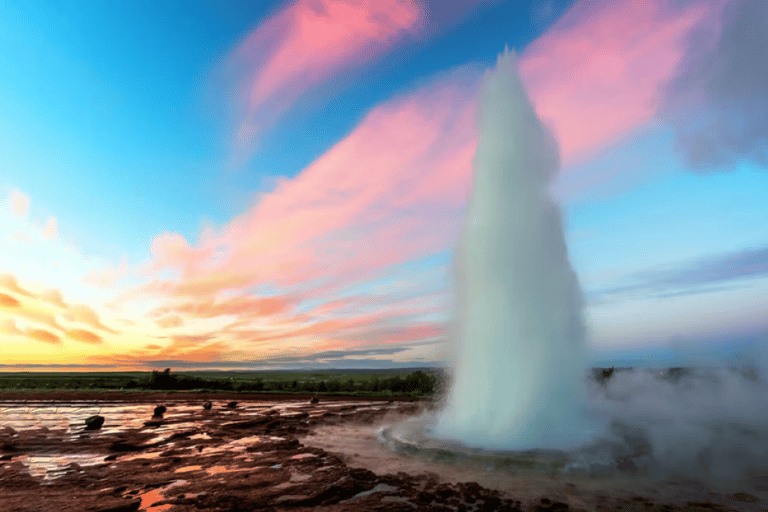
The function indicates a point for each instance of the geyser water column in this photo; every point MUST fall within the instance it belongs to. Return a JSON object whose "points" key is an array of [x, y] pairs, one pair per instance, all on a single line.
{"points": [[517, 351]]}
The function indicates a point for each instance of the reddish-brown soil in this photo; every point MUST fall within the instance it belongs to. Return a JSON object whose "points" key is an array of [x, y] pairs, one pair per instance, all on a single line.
{"points": [[232, 461]]}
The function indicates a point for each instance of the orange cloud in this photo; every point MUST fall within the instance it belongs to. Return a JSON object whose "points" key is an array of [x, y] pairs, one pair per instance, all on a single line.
{"points": [[8, 327], [242, 305], [49, 230], [9, 282], [190, 348], [84, 336], [8, 301], [44, 336], [169, 322], [54, 297], [597, 73], [86, 315], [18, 203]]}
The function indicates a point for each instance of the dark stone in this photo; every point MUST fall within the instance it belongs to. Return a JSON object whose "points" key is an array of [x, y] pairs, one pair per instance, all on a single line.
{"points": [[232, 405], [119, 506], [314, 400], [123, 446], [207, 406], [159, 411], [94, 422]]}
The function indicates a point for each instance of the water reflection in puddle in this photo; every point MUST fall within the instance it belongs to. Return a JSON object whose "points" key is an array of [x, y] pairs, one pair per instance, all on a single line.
{"points": [[54, 466], [187, 469], [149, 498]]}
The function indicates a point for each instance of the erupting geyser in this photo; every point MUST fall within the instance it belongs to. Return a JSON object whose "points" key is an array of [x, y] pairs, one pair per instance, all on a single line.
{"points": [[517, 351]]}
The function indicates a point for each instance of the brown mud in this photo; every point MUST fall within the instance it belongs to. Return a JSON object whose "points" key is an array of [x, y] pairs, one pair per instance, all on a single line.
{"points": [[243, 459]]}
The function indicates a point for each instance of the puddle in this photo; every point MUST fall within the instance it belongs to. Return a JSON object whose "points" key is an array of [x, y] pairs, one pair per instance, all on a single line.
{"points": [[300, 456], [378, 488], [149, 498], [54, 466], [147, 455], [187, 469]]}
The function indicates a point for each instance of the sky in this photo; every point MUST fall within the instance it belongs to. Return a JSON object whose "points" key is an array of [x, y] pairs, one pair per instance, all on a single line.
{"points": [[250, 185]]}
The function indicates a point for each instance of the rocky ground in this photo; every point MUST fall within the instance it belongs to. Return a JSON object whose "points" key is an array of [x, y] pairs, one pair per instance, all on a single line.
{"points": [[230, 459]]}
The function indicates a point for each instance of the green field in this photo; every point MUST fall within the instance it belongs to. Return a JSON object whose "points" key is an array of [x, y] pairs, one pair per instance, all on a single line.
{"points": [[409, 382]]}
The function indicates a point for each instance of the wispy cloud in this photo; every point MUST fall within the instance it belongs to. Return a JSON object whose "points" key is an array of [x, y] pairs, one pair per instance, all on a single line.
{"points": [[44, 336], [602, 66], [702, 275], [84, 336], [303, 45]]}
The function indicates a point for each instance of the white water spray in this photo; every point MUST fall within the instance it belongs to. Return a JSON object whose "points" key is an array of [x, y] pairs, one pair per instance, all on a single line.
{"points": [[518, 359]]}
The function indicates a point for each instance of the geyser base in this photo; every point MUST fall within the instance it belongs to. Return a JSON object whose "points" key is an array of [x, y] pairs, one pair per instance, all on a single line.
{"points": [[415, 437]]}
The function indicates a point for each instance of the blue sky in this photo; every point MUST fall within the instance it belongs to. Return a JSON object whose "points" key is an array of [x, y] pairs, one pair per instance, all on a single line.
{"points": [[230, 185]]}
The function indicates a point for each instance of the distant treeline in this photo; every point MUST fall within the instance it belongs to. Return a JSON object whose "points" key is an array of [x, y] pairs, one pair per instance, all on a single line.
{"points": [[417, 383]]}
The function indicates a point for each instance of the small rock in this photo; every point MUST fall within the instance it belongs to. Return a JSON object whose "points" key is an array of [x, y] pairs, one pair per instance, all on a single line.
{"points": [[94, 422], [159, 411], [232, 405], [207, 406], [314, 400]]}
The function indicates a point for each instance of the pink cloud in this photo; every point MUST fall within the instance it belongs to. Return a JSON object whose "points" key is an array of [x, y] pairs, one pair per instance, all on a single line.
{"points": [[598, 73], [311, 42], [306, 43], [391, 191]]}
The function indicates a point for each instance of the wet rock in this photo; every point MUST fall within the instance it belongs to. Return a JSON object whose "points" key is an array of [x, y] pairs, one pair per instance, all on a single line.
{"points": [[231, 405], [94, 422], [159, 411], [314, 400], [123, 446], [207, 406], [118, 506], [548, 505]]}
